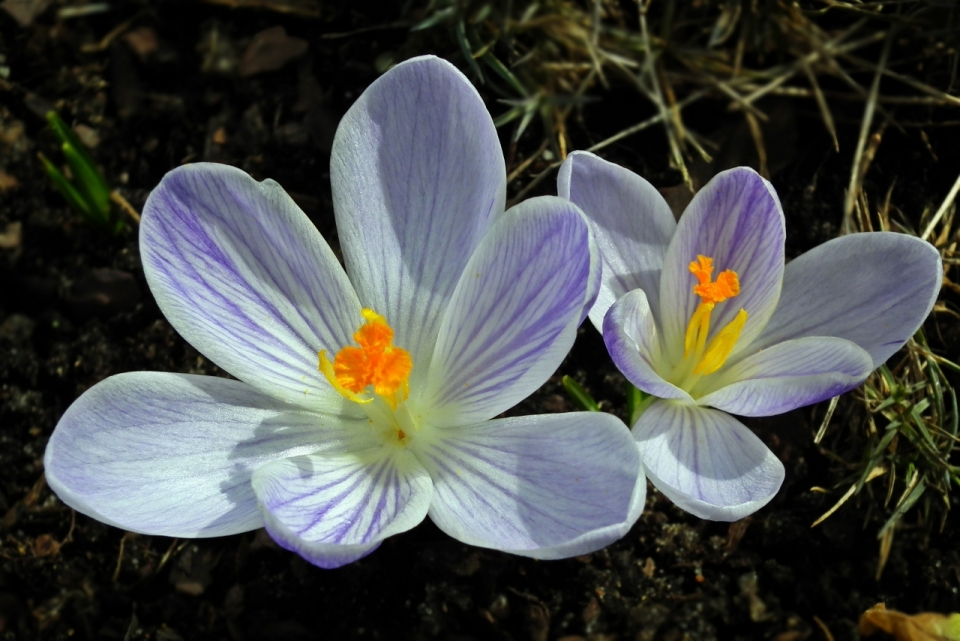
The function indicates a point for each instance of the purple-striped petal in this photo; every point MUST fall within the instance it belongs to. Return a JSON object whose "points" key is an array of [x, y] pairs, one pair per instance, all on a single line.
{"points": [[173, 454], [547, 487], [244, 276], [789, 375], [418, 177], [874, 289], [333, 510], [633, 342], [632, 222], [514, 315], [593, 279], [706, 461], [737, 221]]}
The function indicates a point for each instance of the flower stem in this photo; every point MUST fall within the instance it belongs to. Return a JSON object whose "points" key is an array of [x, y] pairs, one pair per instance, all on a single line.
{"points": [[637, 402]]}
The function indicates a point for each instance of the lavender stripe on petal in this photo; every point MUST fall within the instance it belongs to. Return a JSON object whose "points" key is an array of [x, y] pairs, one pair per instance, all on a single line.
{"points": [[290, 267], [789, 375], [631, 337]]}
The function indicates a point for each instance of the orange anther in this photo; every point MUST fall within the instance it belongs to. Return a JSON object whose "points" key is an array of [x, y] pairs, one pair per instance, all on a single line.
{"points": [[702, 268], [726, 286], [376, 362]]}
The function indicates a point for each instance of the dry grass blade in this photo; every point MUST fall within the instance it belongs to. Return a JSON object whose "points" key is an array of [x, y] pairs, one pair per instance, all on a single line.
{"points": [[831, 408], [947, 203], [646, 124], [670, 116], [822, 104], [941, 96], [886, 543], [879, 470], [757, 135], [859, 168], [528, 161]]}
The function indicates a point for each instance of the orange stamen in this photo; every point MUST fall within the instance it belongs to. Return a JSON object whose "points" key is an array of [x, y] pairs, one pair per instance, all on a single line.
{"points": [[710, 358], [376, 362], [726, 286], [702, 268]]}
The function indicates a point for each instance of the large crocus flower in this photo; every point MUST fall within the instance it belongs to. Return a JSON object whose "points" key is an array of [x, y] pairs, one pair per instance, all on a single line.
{"points": [[703, 315], [364, 403]]}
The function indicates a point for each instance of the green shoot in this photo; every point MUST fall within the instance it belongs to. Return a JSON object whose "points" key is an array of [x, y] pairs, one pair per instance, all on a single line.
{"points": [[579, 395], [87, 192]]}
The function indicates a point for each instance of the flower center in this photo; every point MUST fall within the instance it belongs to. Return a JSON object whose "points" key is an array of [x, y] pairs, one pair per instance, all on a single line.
{"points": [[710, 358], [375, 369]]}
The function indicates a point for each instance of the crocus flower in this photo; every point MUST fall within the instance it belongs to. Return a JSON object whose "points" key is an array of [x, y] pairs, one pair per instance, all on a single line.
{"points": [[364, 403], [703, 315]]}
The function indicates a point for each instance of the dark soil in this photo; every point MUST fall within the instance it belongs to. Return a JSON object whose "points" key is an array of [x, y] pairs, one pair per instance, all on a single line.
{"points": [[75, 308]]}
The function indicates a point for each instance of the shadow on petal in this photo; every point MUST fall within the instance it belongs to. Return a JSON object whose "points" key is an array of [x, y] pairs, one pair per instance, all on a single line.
{"points": [[173, 454]]}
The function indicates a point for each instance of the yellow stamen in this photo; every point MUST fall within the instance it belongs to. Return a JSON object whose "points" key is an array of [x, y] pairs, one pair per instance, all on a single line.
{"points": [[722, 345], [375, 363], [697, 330], [711, 358]]}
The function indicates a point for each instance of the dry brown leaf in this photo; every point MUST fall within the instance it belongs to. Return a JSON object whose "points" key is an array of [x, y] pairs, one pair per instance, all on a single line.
{"points": [[24, 11], [143, 41], [270, 50], [45, 545], [8, 182], [12, 237]]}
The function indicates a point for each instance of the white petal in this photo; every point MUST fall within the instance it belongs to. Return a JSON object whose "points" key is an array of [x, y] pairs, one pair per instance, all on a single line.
{"points": [[418, 177], [632, 222], [737, 221], [514, 315], [633, 342], [173, 454], [874, 289], [706, 461], [548, 487], [335, 509], [244, 276], [789, 375]]}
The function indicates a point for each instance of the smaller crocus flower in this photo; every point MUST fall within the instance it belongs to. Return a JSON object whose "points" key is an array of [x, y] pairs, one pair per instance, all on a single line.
{"points": [[367, 397], [704, 316]]}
